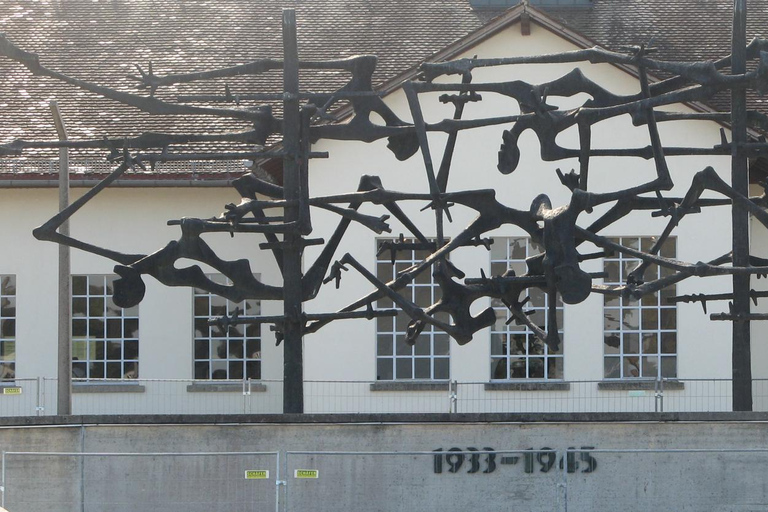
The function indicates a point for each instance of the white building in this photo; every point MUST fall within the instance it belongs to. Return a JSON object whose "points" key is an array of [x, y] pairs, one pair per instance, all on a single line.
{"points": [[159, 357]]}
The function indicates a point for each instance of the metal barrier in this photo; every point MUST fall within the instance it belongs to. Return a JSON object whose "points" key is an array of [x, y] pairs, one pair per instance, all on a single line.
{"points": [[150, 482], [22, 397], [171, 396], [30, 397]]}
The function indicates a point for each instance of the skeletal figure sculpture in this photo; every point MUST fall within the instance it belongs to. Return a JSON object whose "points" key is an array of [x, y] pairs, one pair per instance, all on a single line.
{"points": [[556, 271]]}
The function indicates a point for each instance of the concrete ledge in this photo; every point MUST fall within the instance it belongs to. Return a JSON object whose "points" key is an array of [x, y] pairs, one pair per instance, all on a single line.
{"points": [[107, 388], [646, 385], [335, 419], [527, 386], [224, 387], [410, 385]]}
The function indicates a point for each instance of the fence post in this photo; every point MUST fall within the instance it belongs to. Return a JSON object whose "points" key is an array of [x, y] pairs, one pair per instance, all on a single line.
{"points": [[2, 483], [453, 387]]}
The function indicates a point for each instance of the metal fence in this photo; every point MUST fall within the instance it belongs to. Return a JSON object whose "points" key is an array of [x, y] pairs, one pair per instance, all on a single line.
{"points": [[35, 397], [150, 482]]}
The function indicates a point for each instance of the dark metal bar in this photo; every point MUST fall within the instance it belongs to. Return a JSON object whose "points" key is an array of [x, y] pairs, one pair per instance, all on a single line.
{"points": [[741, 352], [293, 371], [307, 317], [214, 98]]}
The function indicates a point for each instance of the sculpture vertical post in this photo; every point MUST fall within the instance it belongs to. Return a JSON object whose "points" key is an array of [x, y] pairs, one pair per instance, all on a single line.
{"points": [[741, 352], [64, 364], [293, 373]]}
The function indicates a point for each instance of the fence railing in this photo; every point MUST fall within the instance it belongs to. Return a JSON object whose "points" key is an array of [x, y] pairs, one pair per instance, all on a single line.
{"points": [[37, 397]]}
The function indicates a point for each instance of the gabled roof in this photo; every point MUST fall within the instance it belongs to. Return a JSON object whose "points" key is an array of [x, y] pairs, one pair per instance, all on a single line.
{"points": [[101, 41]]}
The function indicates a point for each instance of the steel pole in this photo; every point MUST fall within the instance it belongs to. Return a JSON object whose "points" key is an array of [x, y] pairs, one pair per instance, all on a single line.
{"points": [[741, 352], [64, 366], [293, 370]]}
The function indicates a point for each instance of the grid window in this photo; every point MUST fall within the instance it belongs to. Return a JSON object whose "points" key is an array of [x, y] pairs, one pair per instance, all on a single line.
{"points": [[639, 336], [7, 327], [105, 338], [516, 352], [221, 354], [429, 358]]}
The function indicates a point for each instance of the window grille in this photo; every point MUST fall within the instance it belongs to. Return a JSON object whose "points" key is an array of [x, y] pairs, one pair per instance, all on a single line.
{"points": [[429, 358], [7, 327], [640, 336], [225, 354], [516, 353], [105, 338]]}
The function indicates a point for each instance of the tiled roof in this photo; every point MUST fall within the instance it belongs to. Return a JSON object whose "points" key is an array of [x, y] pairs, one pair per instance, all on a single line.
{"points": [[101, 41]]}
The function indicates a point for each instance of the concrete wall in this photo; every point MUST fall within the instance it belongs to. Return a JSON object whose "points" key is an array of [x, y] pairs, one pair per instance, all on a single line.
{"points": [[394, 468]]}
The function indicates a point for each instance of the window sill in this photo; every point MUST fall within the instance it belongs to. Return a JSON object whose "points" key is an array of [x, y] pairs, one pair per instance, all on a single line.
{"points": [[644, 385], [84, 387], [527, 386], [410, 385], [224, 387]]}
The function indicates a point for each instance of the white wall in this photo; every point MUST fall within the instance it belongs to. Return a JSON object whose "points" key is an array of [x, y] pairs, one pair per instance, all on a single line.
{"points": [[130, 220], [347, 348]]}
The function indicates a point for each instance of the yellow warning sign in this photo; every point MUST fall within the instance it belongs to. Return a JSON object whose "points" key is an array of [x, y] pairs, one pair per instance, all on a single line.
{"points": [[306, 473], [256, 474], [11, 391]]}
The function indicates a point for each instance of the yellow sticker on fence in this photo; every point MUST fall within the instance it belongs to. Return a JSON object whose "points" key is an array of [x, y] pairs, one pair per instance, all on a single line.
{"points": [[256, 474], [11, 391], [306, 473]]}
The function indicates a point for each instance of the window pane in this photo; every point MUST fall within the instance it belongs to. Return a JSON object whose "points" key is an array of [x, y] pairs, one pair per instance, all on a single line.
{"points": [[253, 370], [555, 368], [442, 368], [631, 343], [403, 368], [384, 369], [423, 368], [201, 370], [499, 368], [611, 343], [669, 367]]}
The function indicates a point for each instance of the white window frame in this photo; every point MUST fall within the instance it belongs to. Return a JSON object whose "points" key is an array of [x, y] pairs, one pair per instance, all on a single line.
{"points": [[7, 327], [507, 253], [646, 349], [244, 362], [103, 334], [432, 348]]}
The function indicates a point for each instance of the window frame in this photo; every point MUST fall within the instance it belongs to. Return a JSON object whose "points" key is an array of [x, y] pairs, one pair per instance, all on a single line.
{"points": [[126, 324], [502, 257], [251, 335], [390, 331], [8, 322], [663, 337]]}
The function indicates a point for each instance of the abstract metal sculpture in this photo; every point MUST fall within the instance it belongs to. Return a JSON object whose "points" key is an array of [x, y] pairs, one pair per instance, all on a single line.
{"points": [[556, 271]]}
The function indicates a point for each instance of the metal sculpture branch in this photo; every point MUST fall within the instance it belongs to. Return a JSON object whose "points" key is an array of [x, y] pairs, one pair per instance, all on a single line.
{"points": [[309, 116]]}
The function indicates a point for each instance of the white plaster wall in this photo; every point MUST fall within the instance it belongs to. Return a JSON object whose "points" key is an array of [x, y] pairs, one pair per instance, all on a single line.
{"points": [[131, 220], [347, 349]]}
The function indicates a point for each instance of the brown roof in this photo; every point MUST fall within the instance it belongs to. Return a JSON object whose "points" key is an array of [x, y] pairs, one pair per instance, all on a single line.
{"points": [[101, 41]]}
